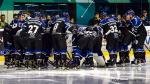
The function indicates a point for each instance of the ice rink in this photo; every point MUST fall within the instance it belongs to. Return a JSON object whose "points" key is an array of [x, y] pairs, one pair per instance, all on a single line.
{"points": [[118, 75]]}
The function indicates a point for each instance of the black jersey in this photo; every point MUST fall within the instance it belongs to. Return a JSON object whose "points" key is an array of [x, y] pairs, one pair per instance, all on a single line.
{"points": [[109, 25], [34, 28], [59, 27]]}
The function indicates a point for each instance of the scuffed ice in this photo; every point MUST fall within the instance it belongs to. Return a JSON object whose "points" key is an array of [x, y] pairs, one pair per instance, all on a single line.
{"points": [[119, 75]]}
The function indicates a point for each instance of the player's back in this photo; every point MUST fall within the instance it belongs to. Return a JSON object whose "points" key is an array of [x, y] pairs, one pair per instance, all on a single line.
{"points": [[109, 24], [34, 27], [59, 27]]}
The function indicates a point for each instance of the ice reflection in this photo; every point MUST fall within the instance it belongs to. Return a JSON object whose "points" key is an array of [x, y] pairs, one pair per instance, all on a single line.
{"points": [[119, 75]]}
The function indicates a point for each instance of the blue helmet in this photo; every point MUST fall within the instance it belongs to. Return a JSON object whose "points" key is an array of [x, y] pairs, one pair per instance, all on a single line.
{"points": [[113, 16], [130, 12], [55, 18], [65, 14], [104, 13]]}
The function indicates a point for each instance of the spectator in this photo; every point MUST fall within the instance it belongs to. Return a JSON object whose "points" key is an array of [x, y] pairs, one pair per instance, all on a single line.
{"points": [[48, 21], [2, 22], [145, 18], [72, 20], [119, 18], [15, 16]]}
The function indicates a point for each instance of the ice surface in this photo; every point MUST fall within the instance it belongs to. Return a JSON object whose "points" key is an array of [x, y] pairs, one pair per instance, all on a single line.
{"points": [[119, 75]]}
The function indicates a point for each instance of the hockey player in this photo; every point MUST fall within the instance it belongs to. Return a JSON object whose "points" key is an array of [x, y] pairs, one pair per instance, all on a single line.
{"points": [[124, 41], [59, 40], [110, 29], [8, 43], [97, 44], [33, 38], [83, 52], [139, 32], [47, 39], [16, 25]]}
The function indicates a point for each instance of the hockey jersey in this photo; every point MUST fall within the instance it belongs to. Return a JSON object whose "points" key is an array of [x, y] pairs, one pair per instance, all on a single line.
{"points": [[61, 26], [136, 23], [34, 28], [17, 25], [109, 25]]}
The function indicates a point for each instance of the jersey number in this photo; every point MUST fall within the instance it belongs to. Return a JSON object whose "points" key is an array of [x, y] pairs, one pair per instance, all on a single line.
{"points": [[33, 29], [113, 28], [56, 26]]}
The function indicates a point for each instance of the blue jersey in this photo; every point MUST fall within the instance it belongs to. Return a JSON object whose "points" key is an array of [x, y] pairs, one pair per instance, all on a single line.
{"points": [[17, 25], [136, 22]]}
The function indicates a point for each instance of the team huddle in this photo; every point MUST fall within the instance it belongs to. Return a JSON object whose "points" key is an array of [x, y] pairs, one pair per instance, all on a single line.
{"points": [[29, 42]]}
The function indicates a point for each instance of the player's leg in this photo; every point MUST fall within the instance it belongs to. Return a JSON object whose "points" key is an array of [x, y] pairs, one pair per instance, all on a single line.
{"points": [[8, 45], [141, 39], [46, 47], [139, 52], [76, 53], [56, 51], [99, 58], [63, 49], [121, 49], [28, 53], [89, 58], [89, 50], [126, 42], [112, 46], [76, 58], [38, 51], [56, 58], [17, 51]]}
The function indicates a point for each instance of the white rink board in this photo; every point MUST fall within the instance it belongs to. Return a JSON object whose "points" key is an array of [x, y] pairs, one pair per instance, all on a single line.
{"points": [[147, 41]]}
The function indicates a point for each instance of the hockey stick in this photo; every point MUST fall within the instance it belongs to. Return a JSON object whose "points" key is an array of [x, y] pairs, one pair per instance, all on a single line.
{"points": [[147, 47], [69, 55], [132, 33]]}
